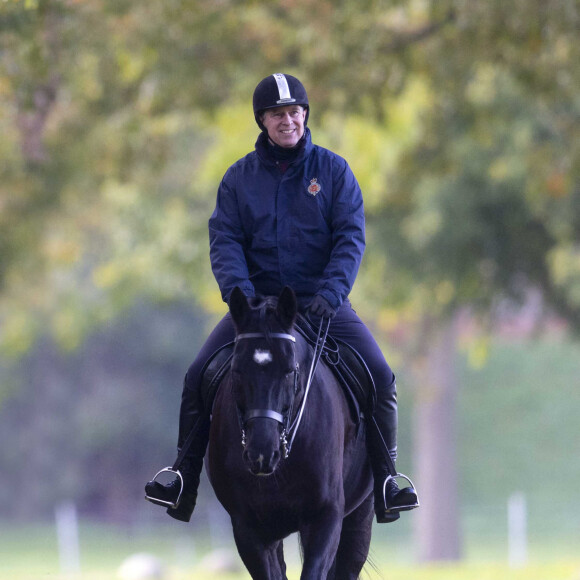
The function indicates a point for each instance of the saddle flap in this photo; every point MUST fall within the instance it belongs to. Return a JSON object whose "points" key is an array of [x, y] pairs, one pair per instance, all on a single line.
{"points": [[348, 367], [357, 374], [213, 372]]}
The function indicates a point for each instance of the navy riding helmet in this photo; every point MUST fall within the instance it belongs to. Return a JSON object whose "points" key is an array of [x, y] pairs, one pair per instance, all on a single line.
{"points": [[279, 90]]}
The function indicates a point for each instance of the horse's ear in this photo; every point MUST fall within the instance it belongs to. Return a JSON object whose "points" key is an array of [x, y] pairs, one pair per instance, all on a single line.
{"points": [[287, 307], [239, 306]]}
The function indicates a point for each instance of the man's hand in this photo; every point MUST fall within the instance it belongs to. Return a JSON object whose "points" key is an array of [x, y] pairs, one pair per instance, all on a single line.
{"points": [[321, 308]]}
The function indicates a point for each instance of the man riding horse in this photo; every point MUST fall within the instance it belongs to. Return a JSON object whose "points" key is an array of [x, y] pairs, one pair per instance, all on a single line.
{"points": [[290, 213]]}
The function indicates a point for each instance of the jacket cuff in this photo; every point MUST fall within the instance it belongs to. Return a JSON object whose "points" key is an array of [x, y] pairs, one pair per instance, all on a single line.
{"points": [[334, 300]]}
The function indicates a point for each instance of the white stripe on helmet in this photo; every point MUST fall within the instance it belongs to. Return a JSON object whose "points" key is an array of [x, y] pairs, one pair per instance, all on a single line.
{"points": [[283, 89]]}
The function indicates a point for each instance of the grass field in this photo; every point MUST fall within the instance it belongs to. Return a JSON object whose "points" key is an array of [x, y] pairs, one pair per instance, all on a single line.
{"points": [[460, 572], [31, 553], [561, 571]]}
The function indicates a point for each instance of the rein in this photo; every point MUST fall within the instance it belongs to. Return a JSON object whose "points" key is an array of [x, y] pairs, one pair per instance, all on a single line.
{"points": [[318, 348], [275, 415]]}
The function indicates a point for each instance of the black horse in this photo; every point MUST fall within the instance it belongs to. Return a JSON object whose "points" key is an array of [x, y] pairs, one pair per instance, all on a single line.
{"points": [[303, 466]]}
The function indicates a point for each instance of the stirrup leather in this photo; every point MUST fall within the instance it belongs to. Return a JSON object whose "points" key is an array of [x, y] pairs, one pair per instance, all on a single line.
{"points": [[399, 508], [163, 502]]}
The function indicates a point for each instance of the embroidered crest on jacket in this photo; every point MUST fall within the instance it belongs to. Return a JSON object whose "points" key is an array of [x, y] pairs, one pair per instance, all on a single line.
{"points": [[314, 187]]}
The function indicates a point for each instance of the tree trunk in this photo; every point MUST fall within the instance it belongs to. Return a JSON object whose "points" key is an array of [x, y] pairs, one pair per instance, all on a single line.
{"points": [[437, 520]]}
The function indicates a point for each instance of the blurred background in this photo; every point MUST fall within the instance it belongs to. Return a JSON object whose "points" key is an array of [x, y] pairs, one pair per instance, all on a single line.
{"points": [[461, 122]]}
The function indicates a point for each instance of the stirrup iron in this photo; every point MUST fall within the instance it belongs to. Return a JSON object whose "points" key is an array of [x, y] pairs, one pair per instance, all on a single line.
{"points": [[400, 508], [162, 502]]}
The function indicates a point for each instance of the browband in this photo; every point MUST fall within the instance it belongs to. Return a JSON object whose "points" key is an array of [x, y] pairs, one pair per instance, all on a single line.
{"points": [[263, 335]]}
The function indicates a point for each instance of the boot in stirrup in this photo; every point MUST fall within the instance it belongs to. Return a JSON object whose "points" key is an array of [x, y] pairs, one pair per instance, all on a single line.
{"points": [[390, 500], [168, 495], [178, 496]]}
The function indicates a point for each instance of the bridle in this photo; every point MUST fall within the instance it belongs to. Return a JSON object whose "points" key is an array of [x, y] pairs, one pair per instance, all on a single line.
{"points": [[287, 431], [268, 413]]}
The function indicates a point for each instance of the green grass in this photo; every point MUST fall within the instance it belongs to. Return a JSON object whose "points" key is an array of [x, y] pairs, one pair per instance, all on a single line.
{"points": [[562, 571], [31, 553]]}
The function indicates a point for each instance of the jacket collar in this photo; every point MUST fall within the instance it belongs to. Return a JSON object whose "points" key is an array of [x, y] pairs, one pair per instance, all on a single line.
{"points": [[266, 154]]}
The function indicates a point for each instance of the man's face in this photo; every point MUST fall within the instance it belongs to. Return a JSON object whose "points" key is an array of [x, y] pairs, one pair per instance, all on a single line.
{"points": [[285, 125]]}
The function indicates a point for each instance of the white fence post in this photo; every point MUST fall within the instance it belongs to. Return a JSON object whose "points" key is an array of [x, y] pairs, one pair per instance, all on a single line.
{"points": [[517, 530], [67, 531]]}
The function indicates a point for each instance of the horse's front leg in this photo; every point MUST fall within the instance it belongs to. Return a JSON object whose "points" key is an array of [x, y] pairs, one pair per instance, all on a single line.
{"points": [[320, 538], [355, 540], [263, 559]]}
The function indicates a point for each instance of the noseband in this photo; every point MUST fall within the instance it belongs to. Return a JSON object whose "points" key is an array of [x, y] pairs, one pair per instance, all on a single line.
{"points": [[271, 414]]}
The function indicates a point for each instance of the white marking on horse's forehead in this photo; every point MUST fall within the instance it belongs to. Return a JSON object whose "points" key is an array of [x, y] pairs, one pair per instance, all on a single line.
{"points": [[262, 357]]}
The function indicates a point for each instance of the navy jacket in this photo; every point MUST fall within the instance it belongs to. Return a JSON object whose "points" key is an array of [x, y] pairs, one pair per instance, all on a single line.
{"points": [[303, 228]]}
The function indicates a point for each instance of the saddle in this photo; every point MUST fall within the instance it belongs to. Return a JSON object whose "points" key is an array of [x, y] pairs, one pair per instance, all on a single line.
{"points": [[347, 364], [349, 368], [213, 372]]}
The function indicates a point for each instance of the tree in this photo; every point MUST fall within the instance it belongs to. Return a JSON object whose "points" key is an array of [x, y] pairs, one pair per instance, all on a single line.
{"points": [[484, 208], [460, 119]]}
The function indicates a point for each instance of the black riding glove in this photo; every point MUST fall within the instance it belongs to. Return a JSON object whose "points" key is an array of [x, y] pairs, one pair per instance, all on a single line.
{"points": [[321, 308]]}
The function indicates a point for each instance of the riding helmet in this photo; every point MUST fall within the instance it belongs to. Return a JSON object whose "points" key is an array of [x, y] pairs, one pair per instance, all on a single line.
{"points": [[279, 90]]}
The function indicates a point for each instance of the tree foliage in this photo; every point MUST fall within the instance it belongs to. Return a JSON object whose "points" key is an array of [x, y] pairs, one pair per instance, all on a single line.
{"points": [[466, 115], [118, 119], [486, 201]]}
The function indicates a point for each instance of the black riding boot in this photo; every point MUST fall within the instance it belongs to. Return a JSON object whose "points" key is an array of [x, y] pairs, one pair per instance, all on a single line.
{"points": [[382, 448], [194, 434], [183, 504]]}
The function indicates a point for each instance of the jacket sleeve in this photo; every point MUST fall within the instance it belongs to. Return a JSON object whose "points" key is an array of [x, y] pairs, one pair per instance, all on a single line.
{"points": [[227, 241], [348, 236]]}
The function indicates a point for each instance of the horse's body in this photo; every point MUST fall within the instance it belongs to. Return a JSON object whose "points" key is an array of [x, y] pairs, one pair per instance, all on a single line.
{"points": [[323, 489]]}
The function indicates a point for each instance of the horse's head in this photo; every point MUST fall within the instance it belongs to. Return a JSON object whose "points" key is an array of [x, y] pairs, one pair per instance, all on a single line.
{"points": [[264, 375]]}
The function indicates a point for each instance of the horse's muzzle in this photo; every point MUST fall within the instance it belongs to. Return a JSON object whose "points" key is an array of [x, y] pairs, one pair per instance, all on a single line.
{"points": [[264, 446], [261, 465]]}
